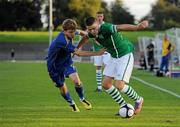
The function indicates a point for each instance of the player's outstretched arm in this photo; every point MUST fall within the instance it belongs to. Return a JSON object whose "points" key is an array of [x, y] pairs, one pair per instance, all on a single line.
{"points": [[144, 24], [83, 41], [89, 53], [81, 32]]}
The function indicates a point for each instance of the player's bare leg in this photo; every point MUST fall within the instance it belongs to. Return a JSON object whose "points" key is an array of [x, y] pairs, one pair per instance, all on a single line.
{"points": [[66, 95], [80, 91]]}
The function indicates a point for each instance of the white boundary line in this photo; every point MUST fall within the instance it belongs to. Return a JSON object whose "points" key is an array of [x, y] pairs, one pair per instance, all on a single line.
{"points": [[156, 87]]}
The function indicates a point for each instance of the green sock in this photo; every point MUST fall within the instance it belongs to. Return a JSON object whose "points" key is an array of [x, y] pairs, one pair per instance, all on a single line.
{"points": [[99, 79], [128, 90], [115, 94]]}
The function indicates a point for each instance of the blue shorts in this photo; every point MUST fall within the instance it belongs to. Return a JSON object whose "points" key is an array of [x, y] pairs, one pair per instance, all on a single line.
{"points": [[70, 70], [59, 76]]}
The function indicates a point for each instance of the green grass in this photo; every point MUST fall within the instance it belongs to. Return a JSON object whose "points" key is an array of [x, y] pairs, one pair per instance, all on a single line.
{"points": [[16, 37], [26, 37], [43, 37], [133, 36], [29, 99]]}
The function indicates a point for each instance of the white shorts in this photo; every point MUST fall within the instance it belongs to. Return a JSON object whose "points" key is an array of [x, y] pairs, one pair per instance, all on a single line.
{"points": [[120, 68], [103, 59]]}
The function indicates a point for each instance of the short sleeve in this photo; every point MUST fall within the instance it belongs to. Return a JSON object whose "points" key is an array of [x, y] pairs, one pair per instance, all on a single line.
{"points": [[71, 48], [113, 29], [77, 32], [108, 28]]}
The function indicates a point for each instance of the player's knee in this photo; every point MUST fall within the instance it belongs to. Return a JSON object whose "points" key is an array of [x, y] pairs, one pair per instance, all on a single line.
{"points": [[98, 67], [106, 85], [120, 85], [63, 88], [77, 83]]}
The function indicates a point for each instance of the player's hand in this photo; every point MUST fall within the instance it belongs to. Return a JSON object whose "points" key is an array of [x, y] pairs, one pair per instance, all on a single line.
{"points": [[143, 25], [73, 54]]}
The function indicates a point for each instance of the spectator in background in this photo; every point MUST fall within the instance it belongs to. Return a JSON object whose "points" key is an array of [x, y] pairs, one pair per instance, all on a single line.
{"points": [[142, 61], [150, 53], [167, 48], [13, 55]]}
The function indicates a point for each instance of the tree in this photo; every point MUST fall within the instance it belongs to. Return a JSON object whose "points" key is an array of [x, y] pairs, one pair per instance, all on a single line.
{"points": [[83, 9], [75, 9], [17, 15], [120, 15], [165, 14], [60, 11], [106, 11]]}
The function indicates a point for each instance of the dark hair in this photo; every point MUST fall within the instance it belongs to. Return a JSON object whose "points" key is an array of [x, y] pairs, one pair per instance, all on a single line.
{"points": [[99, 12], [89, 21]]}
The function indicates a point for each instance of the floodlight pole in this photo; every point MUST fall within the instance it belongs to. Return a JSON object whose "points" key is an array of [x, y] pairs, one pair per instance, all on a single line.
{"points": [[50, 21]]}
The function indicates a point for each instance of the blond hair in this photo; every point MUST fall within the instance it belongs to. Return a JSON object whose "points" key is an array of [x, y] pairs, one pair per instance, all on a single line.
{"points": [[69, 24]]}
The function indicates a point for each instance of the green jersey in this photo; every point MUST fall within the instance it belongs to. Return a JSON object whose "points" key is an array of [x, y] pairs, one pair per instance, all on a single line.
{"points": [[113, 41], [96, 47]]}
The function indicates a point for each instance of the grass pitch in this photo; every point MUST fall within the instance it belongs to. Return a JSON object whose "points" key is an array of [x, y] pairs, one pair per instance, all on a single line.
{"points": [[29, 99], [43, 37]]}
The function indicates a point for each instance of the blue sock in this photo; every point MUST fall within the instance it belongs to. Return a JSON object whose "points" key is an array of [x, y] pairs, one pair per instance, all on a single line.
{"points": [[68, 98], [80, 92]]}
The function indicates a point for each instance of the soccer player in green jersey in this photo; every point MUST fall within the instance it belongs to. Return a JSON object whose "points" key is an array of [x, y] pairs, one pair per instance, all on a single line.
{"points": [[120, 65]]}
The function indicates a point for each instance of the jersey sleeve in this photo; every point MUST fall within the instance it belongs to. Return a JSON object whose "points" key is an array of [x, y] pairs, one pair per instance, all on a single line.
{"points": [[77, 32], [113, 28], [71, 48], [108, 28], [65, 46]]}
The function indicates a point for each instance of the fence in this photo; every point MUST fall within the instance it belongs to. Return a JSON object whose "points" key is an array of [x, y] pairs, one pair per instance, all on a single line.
{"points": [[174, 37]]}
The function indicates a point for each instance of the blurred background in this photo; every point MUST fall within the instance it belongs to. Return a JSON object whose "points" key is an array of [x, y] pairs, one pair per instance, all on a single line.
{"points": [[24, 24]]}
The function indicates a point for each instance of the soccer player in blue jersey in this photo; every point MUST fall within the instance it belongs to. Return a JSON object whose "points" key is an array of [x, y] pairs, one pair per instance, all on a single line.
{"points": [[120, 65], [59, 63]]}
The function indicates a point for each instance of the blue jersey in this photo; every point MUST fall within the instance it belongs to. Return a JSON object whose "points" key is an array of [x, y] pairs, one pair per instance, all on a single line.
{"points": [[59, 54]]}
